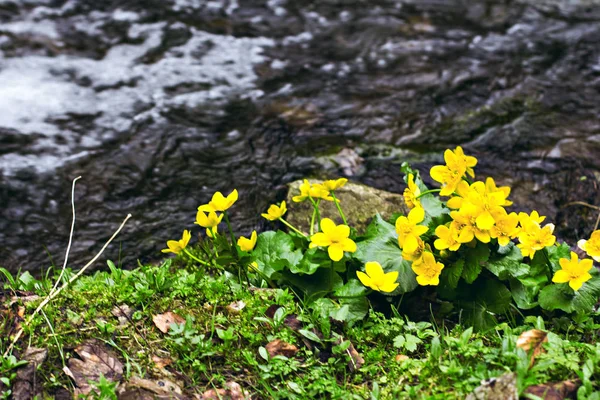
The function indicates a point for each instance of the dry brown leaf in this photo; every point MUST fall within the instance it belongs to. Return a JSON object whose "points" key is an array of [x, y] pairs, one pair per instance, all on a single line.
{"points": [[163, 321], [236, 307], [555, 391], [26, 386], [161, 362], [356, 360], [232, 391], [123, 312], [532, 340], [96, 360], [280, 348], [401, 358]]}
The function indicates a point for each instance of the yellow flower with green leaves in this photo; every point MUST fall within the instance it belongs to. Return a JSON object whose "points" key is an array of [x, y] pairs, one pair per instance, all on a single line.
{"points": [[447, 238], [177, 246], [315, 191], [464, 222], [247, 244], [591, 246], [335, 238], [334, 184], [573, 271], [409, 230], [411, 193], [506, 227], [209, 220], [376, 279], [275, 212], [533, 237], [451, 174], [220, 202], [428, 270]]}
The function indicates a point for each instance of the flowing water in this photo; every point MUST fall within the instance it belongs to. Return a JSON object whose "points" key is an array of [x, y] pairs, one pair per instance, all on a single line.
{"points": [[159, 103]]}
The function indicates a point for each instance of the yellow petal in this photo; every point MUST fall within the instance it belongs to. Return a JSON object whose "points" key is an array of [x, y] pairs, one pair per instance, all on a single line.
{"points": [[388, 287], [335, 252], [374, 270], [349, 245], [416, 215], [364, 278], [327, 225], [320, 239], [485, 221], [581, 244], [561, 276]]}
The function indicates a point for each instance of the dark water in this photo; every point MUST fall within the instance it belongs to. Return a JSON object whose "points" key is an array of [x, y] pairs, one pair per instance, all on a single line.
{"points": [[159, 103]]}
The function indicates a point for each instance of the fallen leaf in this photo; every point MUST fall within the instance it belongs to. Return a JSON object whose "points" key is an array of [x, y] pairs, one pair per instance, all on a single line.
{"points": [[123, 312], [555, 391], [96, 360], [401, 358], [532, 340], [232, 391], [356, 360], [503, 387], [26, 386], [163, 321], [236, 307], [161, 362], [280, 348]]}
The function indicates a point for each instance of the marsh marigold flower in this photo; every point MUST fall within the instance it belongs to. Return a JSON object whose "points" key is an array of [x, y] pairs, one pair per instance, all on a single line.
{"points": [[573, 271], [428, 270], [465, 224], [247, 244], [211, 232], [451, 174], [315, 191], [416, 255], [220, 202], [275, 212], [447, 238], [209, 220], [505, 228], [532, 236], [177, 246], [591, 246], [334, 184], [335, 238], [411, 193], [377, 279], [408, 229]]}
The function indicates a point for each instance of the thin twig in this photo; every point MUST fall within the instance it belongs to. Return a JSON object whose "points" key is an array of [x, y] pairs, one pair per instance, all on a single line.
{"points": [[581, 203], [51, 296], [62, 272], [597, 222]]}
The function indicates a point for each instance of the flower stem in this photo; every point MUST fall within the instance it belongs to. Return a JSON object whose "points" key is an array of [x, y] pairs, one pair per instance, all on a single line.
{"points": [[337, 204], [315, 214], [291, 226], [427, 192], [233, 249], [193, 257]]}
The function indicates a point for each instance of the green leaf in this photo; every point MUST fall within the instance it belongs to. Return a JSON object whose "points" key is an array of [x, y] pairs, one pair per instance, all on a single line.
{"points": [[348, 310], [310, 262], [474, 258], [314, 286], [433, 206], [477, 316], [351, 289], [274, 251], [310, 335], [561, 296], [490, 297], [506, 262], [411, 342], [556, 252], [452, 273], [383, 248], [399, 341], [524, 296]]}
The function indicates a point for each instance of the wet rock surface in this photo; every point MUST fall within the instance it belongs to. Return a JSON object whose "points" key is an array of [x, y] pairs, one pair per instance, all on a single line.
{"points": [[157, 104]]}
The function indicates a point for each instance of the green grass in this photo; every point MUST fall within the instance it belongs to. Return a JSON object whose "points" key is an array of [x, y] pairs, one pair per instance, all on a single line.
{"points": [[402, 358]]}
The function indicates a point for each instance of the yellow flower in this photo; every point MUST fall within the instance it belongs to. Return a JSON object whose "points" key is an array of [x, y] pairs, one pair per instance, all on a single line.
{"points": [[505, 228], [220, 202], [428, 270], [332, 185], [411, 193], [573, 271], [591, 246], [209, 220], [376, 279], [415, 256], [533, 237], [409, 230], [247, 244], [335, 238], [487, 204], [177, 246], [447, 238], [525, 219], [211, 232], [462, 190], [465, 224], [275, 212], [316, 191], [490, 186], [450, 175]]}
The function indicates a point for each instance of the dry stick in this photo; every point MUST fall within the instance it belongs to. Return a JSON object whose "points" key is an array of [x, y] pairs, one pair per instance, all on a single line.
{"points": [[581, 203], [62, 272], [50, 297]]}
